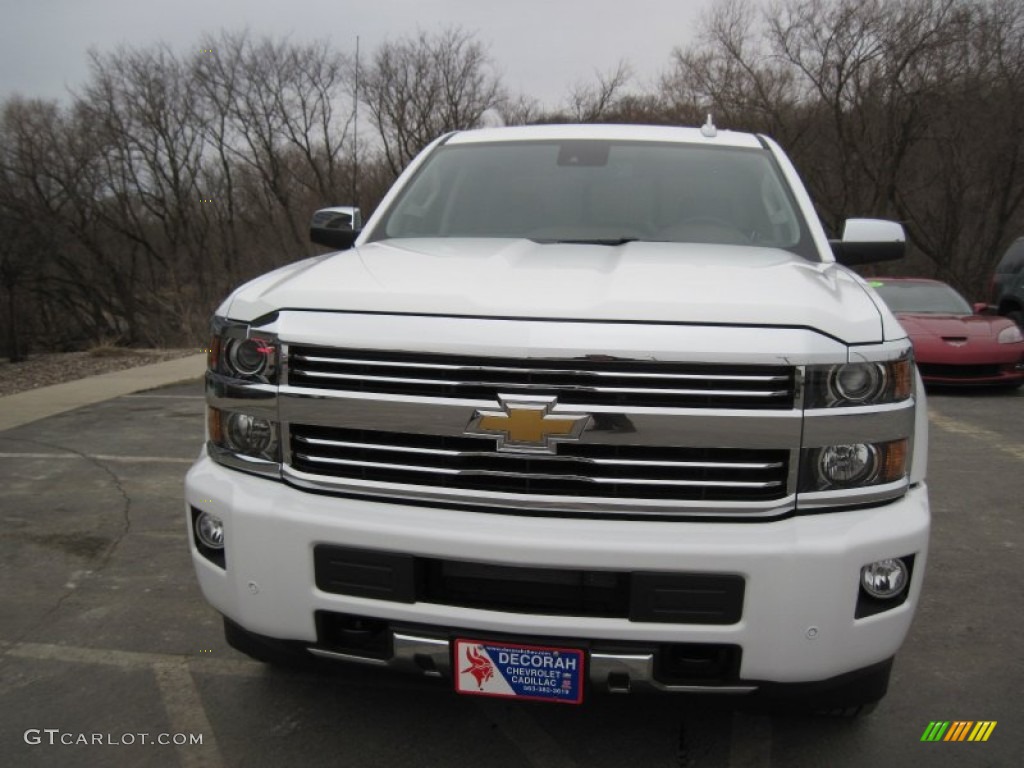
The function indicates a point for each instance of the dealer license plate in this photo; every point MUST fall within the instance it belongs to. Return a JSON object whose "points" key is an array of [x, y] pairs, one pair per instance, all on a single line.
{"points": [[539, 673]]}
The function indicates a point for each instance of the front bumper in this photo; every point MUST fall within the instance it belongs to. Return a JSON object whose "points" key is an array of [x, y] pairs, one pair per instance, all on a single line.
{"points": [[991, 365], [1004, 378], [801, 574]]}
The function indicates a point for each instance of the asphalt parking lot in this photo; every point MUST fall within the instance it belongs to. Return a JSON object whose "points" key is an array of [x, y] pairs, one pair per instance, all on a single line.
{"points": [[106, 640]]}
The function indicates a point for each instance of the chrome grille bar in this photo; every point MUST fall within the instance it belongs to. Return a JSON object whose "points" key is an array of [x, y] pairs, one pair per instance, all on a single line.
{"points": [[583, 469], [585, 459], [513, 385], [537, 475], [531, 371], [589, 380]]}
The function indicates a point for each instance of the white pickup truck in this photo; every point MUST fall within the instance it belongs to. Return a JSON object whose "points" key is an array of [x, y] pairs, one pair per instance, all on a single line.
{"points": [[580, 409]]}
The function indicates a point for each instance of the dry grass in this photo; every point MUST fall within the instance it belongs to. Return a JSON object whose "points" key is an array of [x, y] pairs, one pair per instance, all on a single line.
{"points": [[109, 350], [44, 370]]}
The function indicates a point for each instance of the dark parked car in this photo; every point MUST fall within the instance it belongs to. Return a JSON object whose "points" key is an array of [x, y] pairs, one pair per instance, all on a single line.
{"points": [[952, 344], [1008, 283]]}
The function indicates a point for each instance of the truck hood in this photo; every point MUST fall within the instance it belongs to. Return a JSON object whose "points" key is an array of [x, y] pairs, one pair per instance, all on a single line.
{"points": [[639, 282]]}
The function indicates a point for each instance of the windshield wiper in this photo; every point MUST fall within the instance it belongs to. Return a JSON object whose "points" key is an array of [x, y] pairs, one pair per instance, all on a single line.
{"points": [[588, 241]]}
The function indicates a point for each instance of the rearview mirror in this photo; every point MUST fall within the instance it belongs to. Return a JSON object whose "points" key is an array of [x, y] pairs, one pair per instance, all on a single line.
{"points": [[336, 227], [867, 241]]}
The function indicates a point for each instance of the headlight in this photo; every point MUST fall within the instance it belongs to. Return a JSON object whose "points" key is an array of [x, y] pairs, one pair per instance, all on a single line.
{"points": [[241, 352], [858, 382], [249, 357], [1010, 335], [853, 465], [862, 383], [241, 389], [843, 466], [250, 435], [243, 435]]}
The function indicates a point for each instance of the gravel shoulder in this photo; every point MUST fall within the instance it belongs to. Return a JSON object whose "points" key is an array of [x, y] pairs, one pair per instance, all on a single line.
{"points": [[43, 370]]}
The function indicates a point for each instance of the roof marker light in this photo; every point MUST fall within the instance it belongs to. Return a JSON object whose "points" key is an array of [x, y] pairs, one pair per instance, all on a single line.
{"points": [[709, 130]]}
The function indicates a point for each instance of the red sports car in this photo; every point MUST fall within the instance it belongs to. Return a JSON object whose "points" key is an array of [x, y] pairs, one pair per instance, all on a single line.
{"points": [[954, 345]]}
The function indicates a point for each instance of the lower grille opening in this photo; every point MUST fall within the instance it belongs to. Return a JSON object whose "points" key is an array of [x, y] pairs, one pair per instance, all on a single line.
{"points": [[697, 664], [357, 635], [526, 590], [642, 596], [958, 371]]}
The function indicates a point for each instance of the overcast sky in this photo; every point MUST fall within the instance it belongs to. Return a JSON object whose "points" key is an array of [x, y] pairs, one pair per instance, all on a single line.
{"points": [[540, 47]]}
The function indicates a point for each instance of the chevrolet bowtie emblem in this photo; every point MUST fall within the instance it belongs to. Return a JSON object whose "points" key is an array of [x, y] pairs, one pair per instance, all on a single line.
{"points": [[526, 425]]}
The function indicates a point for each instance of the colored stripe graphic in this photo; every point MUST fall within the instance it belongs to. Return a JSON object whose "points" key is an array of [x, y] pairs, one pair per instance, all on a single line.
{"points": [[982, 730], [935, 730], [958, 730]]}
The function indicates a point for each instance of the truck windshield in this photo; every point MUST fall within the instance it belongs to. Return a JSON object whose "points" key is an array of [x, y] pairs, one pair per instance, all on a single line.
{"points": [[599, 192]]}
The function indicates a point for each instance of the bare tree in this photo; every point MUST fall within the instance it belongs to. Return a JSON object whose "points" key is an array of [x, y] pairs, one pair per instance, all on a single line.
{"points": [[45, 163], [520, 110], [275, 127], [139, 110], [903, 109], [422, 87], [595, 102]]}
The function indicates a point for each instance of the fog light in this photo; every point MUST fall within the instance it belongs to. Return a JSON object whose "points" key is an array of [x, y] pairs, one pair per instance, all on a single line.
{"points": [[884, 579], [209, 530], [847, 465]]}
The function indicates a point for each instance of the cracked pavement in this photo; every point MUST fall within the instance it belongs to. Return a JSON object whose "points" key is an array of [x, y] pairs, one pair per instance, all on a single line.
{"points": [[103, 630], [68, 513]]}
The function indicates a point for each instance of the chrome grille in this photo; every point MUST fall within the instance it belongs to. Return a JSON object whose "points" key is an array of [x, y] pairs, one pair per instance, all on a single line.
{"points": [[578, 469], [592, 380]]}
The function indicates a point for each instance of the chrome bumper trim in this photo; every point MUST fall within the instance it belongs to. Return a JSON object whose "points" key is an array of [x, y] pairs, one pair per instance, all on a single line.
{"points": [[610, 672], [625, 673], [426, 655]]}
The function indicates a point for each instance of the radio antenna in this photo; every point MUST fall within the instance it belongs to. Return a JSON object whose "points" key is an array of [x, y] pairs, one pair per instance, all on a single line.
{"points": [[355, 133]]}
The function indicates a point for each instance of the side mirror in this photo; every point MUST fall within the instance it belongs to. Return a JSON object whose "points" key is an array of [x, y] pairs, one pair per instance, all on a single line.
{"points": [[867, 241], [981, 308], [336, 227]]}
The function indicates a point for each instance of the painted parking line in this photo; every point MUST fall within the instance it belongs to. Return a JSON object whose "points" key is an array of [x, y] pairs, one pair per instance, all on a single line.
{"points": [[71, 654], [239, 666], [76, 655], [164, 397], [994, 439], [178, 692], [100, 457], [186, 714]]}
